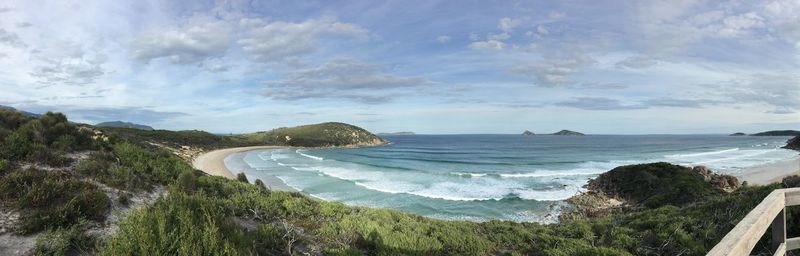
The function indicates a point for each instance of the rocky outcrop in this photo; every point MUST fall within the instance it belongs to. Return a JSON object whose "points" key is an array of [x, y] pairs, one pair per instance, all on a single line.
{"points": [[727, 183], [528, 133], [737, 134], [793, 143], [592, 204], [647, 186], [568, 133]]}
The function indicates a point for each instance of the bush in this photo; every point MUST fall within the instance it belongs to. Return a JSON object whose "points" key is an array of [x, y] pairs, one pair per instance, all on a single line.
{"points": [[242, 177], [260, 184], [63, 241], [187, 181], [177, 225], [17, 146], [791, 181]]}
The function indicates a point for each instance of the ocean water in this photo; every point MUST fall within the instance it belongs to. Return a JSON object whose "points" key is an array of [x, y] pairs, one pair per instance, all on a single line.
{"points": [[485, 177]]}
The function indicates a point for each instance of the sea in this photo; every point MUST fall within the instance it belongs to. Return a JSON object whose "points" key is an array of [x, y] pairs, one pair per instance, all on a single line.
{"points": [[492, 177]]}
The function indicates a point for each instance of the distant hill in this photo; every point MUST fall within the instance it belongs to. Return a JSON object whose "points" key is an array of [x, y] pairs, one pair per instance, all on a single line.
{"points": [[777, 133], [737, 134], [793, 143], [26, 113], [397, 133], [568, 133], [124, 125], [329, 134], [528, 133]]}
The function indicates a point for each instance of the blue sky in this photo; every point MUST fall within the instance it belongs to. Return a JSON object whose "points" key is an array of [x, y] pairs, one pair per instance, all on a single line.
{"points": [[611, 67]]}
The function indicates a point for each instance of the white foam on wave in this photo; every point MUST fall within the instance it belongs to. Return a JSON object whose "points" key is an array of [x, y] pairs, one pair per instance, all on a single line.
{"points": [[703, 153], [732, 160], [309, 156], [491, 188], [469, 174], [283, 179]]}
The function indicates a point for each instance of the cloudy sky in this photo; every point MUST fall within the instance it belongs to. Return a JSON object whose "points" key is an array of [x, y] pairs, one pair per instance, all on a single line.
{"points": [[612, 67]]}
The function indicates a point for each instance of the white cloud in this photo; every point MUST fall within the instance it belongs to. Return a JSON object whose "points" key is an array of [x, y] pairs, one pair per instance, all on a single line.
{"points": [[636, 62], [279, 40], [341, 79], [507, 24], [11, 39], [490, 45], [542, 30], [554, 72], [781, 91], [733, 26], [557, 15], [196, 41], [443, 39]]}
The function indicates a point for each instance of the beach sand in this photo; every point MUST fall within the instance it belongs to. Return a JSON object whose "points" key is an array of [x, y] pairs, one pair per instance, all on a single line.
{"points": [[770, 173], [217, 162]]}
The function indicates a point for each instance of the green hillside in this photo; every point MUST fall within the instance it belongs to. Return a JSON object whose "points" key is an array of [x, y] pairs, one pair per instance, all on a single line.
{"points": [[329, 134]]}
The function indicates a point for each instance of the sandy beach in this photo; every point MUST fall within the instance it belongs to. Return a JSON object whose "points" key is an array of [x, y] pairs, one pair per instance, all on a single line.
{"points": [[213, 163], [772, 172]]}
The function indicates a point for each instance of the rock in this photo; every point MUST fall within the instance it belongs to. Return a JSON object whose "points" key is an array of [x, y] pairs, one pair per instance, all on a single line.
{"points": [[737, 134], [703, 171], [568, 133], [528, 133], [793, 143]]}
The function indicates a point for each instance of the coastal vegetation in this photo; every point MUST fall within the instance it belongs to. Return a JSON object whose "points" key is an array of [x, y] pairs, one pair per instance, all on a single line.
{"points": [[66, 181]]}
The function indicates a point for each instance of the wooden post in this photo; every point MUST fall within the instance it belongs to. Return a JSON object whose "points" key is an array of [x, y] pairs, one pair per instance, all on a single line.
{"points": [[779, 230]]}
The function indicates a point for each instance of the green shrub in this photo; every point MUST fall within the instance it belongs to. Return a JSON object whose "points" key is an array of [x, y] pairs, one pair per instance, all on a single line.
{"points": [[242, 177], [177, 225], [187, 181], [791, 181], [260, 184], [41, 154], [161, 167], [4, 165], [17, 146], [63, 241]]}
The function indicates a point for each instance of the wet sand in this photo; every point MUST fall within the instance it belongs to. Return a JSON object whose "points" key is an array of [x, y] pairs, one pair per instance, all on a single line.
{"points": [[771, 172]]}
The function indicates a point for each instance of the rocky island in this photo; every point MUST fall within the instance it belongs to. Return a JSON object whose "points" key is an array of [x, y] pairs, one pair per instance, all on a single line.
{"points": [[777, 133], [568, 133], [737, 134], [528, 133]]}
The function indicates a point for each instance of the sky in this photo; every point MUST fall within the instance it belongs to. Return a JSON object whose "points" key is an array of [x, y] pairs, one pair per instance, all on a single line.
{"points": [[436, 67]]}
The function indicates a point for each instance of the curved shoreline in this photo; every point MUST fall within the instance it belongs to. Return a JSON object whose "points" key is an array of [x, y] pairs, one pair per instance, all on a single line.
{"points": [[213, 163], [768, 173]]}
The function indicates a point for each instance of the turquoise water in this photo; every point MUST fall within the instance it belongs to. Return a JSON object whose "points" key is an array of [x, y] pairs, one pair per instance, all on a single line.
{"points": [[484, 177]]}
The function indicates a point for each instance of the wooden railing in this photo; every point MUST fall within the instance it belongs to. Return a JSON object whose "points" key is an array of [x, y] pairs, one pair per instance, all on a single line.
{"points": [[770, 212]]}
